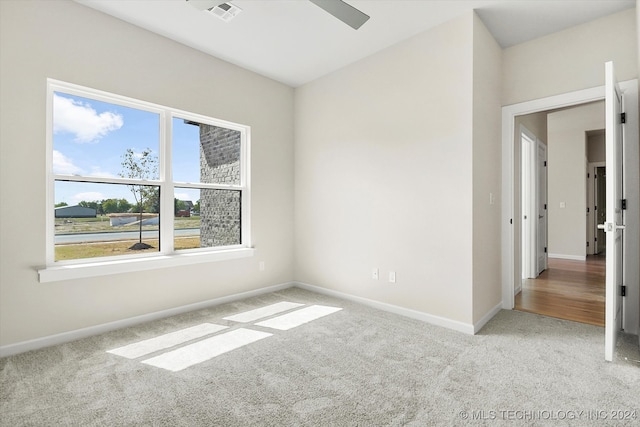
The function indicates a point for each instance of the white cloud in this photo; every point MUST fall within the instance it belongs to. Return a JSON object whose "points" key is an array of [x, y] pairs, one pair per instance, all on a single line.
{"points": [[82, 120], [64, 165], [182, 196], [97, 171], [89, 196]]}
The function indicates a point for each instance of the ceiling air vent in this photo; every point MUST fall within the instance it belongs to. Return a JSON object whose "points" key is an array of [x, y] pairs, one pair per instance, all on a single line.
{"points": [[225, 11]]}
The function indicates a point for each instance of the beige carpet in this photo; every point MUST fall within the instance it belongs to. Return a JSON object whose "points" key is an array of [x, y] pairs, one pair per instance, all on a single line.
{"points": [[350, 367]]}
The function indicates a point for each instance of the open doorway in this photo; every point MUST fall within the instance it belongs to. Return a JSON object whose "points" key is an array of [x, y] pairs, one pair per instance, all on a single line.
{"points": [[596, 192], [570, 283], [511, 203]]}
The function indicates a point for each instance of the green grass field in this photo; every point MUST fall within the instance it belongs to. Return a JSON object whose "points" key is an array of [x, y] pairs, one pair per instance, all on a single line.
{"points": [[101, 224], [103, 249]]}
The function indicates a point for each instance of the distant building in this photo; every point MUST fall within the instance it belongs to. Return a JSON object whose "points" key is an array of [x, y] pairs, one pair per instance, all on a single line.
{"points": [[75, 212], [188, 207]]}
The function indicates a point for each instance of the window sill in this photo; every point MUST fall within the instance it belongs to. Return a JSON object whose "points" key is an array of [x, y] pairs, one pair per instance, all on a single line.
{"points": [[94, 269]]}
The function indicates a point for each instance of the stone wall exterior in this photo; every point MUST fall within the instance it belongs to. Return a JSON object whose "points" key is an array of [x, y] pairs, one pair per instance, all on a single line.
{"points": [[220, 210]]}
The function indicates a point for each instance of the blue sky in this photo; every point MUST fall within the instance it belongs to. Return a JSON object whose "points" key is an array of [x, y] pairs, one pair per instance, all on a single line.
{"points": [[90, 137]]}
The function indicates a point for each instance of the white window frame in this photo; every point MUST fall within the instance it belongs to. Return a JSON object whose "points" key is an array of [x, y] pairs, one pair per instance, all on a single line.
{"points": [[167, 256]]}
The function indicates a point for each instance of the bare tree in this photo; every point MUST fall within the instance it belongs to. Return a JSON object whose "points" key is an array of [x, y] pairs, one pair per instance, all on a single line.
{"points": [[142, 166]]}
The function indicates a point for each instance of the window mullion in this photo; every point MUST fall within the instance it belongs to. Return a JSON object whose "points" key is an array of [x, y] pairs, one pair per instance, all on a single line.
{"points": [[245, 180], [50, 196], [166, 187]]}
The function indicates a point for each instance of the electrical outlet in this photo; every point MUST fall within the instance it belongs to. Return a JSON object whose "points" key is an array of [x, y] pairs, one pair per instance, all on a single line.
{"points": [[375, 274], [392, 277], [261, 265]]}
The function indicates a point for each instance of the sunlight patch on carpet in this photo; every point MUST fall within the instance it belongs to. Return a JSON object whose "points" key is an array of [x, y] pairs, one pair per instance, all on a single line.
{"points": [[298, 317], [259, 313], [181, 349], [142, 348], [204, 350]]}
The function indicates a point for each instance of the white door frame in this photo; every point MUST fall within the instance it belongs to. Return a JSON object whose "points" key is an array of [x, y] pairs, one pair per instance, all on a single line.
{"points": [[528, 212], [508, 238], [542, 223]]}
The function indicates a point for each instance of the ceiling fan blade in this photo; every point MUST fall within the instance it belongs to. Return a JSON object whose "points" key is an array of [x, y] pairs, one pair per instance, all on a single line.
{"points": [[343, 11], [205, 4]]}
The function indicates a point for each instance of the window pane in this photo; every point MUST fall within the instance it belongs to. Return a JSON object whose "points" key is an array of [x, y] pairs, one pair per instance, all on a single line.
{"points": [[206, 218], [94, 138], [205, 153], [97, 220]]}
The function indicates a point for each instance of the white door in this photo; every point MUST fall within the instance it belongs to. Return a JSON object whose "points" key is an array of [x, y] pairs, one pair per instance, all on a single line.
{"points": [[529, 207], [541, 199], [614, 224]]}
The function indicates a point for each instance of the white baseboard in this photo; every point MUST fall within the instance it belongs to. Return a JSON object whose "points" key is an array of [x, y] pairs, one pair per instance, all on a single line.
{"points": [[483, 321], [65, 337], [572, 257], [407, 312]]}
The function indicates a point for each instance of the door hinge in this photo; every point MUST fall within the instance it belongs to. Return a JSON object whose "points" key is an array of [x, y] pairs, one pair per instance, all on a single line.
{"points": [[510, 220], [623, 117], [587, 210], [623, 291], [623, 204], [588, 175], [545, 250], [545, 206], [595, 239], [545, 163], [587, 244], [595, 208]]}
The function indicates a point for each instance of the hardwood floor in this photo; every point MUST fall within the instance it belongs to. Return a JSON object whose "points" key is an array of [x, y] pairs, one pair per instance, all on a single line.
{"points": [[571, 290]]}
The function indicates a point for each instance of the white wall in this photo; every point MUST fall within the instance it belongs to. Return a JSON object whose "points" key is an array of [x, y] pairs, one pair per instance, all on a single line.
{"points": [[567, 174], [69, 42], [383, 167], [570, 60], [487, 78], [596, 147], [396, 156]]}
